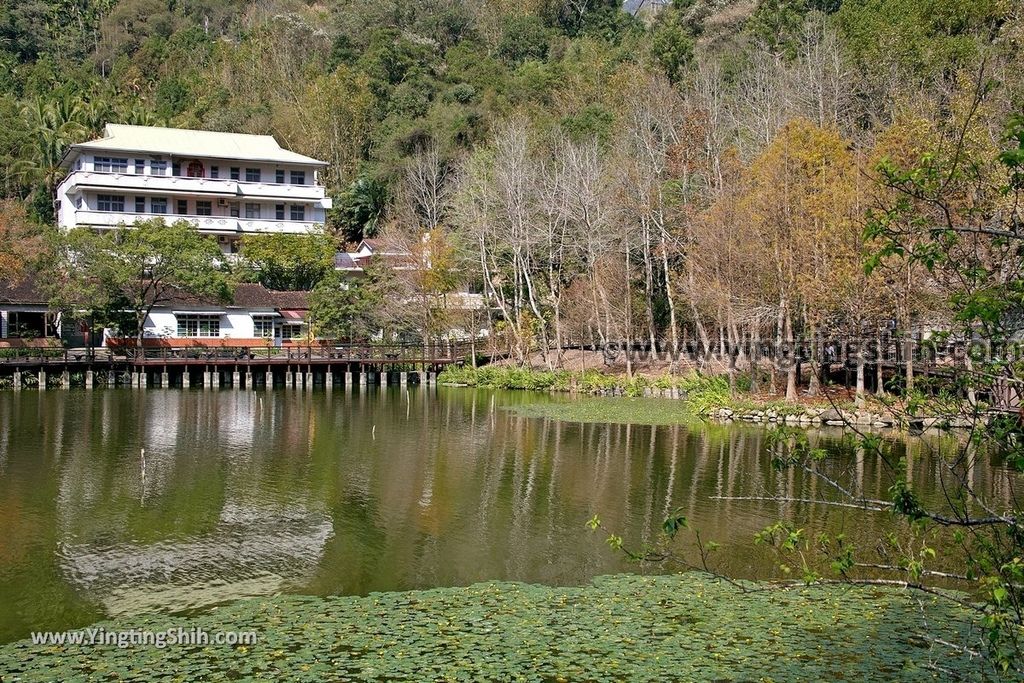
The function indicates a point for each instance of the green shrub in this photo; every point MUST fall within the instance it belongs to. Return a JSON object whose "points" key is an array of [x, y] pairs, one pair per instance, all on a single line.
{"points": [[706, 392]]}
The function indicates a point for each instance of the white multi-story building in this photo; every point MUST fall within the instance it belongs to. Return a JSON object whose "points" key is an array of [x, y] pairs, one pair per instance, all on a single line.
{"points": [[227, 184]]}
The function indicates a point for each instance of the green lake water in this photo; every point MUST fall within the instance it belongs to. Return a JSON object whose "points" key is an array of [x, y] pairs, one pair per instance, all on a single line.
{"points": [[252, 494]]}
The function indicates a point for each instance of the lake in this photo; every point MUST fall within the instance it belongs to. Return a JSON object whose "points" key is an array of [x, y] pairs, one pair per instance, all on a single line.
{"points": [[242, 494]]}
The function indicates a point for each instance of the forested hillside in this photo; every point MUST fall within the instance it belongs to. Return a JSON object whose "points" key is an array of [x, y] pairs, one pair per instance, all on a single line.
{"points": [[705, 172]]}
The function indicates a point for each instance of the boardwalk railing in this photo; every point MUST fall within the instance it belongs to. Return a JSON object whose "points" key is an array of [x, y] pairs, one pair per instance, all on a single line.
{"points": [[320, 352]]}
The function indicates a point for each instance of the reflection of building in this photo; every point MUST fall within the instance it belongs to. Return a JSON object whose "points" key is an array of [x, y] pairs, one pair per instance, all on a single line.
{"points": [[251, 552], [227, 184]]}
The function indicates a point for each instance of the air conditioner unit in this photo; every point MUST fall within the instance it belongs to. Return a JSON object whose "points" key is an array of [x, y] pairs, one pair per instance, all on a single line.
{"points": [[223, 239], [222, 202]]}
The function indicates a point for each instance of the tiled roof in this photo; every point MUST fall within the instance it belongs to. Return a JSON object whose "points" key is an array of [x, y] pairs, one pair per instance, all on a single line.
{"points": [[24, 291], [247, 295], [192, 143]]}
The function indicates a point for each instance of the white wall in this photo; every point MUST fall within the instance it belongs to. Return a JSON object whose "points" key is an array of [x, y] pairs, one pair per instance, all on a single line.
{"points": [[160, 324], [233, 325], [237, 326]]}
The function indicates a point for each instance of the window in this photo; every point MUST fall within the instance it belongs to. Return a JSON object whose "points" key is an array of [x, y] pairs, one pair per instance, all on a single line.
{"points": [[262, 326], [198, 325], [110, 202], [252, 210], [215, 171], [204, 208], [291, 331], [110, 165], [233, 209], [158, 205], [298, 212], [279, 212], [140, 205], [234, 173], [30, 325], [176, 168], [279, 177], [298, 177], [158, 167], [196, 169], [140, 166], [182, 206], [252, 175]]}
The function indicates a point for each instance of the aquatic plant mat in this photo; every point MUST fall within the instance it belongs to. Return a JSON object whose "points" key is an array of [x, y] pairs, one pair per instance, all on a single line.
{"points": [[622, 628], [617, 410]]}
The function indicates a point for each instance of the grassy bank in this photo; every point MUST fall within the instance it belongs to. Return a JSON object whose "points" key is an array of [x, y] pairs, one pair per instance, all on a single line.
{"points": [[622, 628], [693, 394], [701, 392]]}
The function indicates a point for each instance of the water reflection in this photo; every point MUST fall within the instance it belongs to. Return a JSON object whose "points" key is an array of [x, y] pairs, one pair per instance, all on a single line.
{"points": [[250, 493]]}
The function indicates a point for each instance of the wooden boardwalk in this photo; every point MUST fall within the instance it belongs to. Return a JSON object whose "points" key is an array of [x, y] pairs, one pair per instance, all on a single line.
{"points": [[324, 365]]}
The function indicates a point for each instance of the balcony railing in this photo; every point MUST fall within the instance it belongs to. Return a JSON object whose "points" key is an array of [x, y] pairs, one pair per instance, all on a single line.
{"points": [[187, 185], [212, 224]]}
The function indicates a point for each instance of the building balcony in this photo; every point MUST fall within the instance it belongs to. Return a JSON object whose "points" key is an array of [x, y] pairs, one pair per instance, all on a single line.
{"points": [[219, 225], [178, 185]]}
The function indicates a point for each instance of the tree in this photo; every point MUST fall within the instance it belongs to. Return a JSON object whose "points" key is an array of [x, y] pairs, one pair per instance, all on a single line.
{"points": [[672, 45], [524, 38], [330, 120], [23, 244], [344, 307], [360, 209], [287, 262], [799, 201], [137, 268]]}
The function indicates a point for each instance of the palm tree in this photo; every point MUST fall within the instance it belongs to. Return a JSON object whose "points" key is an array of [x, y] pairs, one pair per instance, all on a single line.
{"points": [[54, 126]]}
